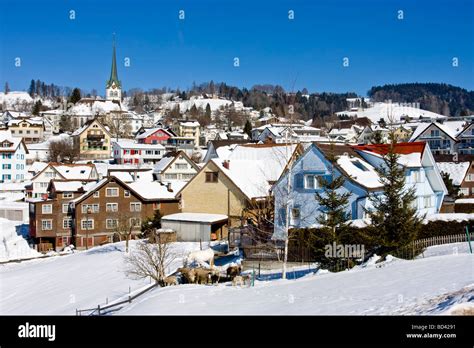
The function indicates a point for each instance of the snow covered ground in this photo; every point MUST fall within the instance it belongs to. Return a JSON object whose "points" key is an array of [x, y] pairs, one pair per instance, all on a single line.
{"points": [[440, 283], [59, 285], [12, 243]]}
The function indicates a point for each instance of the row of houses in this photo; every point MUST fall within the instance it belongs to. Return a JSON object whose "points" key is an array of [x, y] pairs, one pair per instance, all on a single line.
{"points": [[233, 185]]}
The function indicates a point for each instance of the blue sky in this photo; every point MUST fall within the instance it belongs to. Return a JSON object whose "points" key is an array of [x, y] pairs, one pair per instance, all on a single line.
{"points": [[307, 51]]}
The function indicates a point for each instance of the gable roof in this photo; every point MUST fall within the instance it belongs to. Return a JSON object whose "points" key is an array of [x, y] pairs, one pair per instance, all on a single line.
{"points": [[450, 128], [69, 171], [456, 170], [167, 161], [152, 131], [86, 125]]}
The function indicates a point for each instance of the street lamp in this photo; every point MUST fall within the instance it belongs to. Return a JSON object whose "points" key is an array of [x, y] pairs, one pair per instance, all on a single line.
{"points": [[88, 211]]}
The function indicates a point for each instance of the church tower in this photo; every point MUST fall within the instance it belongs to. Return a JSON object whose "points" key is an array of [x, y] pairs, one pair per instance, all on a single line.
{"points": [[113, 88]]}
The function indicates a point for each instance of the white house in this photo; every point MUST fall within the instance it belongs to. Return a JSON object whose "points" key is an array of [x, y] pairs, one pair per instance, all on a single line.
{"points": [[177, 167], [131, 152], [40, 182], [12, 158]]}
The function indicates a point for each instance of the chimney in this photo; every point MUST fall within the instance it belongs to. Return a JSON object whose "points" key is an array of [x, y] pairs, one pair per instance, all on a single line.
{"points": [[226, 164], [168, 186]]}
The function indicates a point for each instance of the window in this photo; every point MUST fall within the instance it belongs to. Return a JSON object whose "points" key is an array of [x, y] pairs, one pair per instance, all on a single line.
{"points": [[111, 223], [435, 133], [44, 184], [112, 192], [126, 193], [187, 176], [7, 166], [67, 223], [211, 176], [470, 177], [46, 225], [427, 201], [87, 224], [137, 206], [464, 191], [68, 195], [47, 209], [96, 194], [93, 208], [416, 176], [310, 182], [65, 208], [135, 222], [295, 213], [181, 166], [111, 207]]}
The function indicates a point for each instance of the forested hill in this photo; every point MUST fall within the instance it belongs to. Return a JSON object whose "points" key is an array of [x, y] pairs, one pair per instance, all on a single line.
{"points": [[436, 97]]}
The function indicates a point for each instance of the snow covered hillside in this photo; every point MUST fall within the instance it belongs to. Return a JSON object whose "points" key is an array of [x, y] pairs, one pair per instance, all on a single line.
{"points": [[431, 285], [59, 285]]}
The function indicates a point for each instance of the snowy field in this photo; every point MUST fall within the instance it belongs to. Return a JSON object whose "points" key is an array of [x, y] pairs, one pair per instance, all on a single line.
{"points": [[441, 282], [437, 284], [60, 284]]}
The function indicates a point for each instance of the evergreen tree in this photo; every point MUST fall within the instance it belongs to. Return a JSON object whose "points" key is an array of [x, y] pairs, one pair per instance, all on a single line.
{"points": [[38, 87], [248, 128], [453, 191], [31, 90], [332, 201], [7, 88], [37, 107], [208, 111], [65, 124], [394, 218], [75, 96], [377, 138]]}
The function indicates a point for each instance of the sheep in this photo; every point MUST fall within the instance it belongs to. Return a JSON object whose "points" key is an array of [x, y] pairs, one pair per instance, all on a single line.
{"points": [[189, 275], [238, 280], [241, 280], [233, 271], [170, 280], [203, 276], [201, 257]]}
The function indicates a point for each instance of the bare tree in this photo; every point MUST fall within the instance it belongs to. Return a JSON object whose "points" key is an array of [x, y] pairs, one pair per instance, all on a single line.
{"points": [[125, 225], [63, 150], [119, 124], [150, 260]]}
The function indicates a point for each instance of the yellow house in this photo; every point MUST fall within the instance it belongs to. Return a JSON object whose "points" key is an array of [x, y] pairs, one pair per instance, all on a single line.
{"points": [[402, 133], [189, 129], [93, 140], [238, 184]]}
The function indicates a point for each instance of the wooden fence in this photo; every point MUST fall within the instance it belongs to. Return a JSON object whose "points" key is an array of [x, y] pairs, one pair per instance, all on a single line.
{"points": [[107, 308], [416, 247]]}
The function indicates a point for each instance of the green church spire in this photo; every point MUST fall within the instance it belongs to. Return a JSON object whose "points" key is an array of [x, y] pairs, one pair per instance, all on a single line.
{"points": [[113, 72]]}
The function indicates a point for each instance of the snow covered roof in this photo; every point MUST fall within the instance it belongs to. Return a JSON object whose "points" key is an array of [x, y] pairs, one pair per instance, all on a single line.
{"points": [[451, 128], [360, 171], [128, 176], [72, 186], [74, 171], [189, 124], [7, 139], [37, 166], [195, 217], [152, 131], [163, 163], [156, 190], [456, 170], [32, 120], [254, 168]]}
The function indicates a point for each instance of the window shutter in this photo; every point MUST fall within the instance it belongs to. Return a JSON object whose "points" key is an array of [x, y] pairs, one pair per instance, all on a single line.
{"points": [[299, 181]]}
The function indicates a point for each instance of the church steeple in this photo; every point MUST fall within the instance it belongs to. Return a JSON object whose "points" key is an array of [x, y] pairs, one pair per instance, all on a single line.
{"points": [[113, 86]]}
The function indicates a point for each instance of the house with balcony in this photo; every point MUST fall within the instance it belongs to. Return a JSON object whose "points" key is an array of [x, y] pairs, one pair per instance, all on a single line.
{"points": [[93, 140], [13, 153], [465, 138], [175, 166], [442, 137], [130, 152], [31, 129], [357, 164], [188, 129]]}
